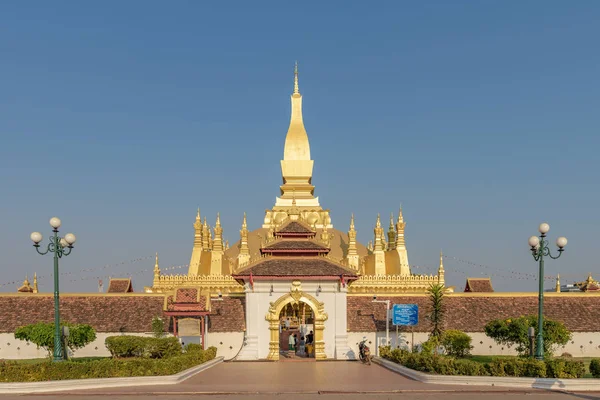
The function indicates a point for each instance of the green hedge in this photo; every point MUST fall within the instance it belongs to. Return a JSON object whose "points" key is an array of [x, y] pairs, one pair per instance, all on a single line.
{"points": [[523, 367], [142, 346], [106, 368], [595, 368]]}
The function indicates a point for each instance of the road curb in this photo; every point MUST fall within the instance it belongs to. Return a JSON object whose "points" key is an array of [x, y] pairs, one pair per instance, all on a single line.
{"points": [[564, 385], [102, 383]]}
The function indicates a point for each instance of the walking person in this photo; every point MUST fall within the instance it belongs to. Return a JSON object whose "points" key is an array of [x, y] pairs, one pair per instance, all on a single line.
{"points": [[292, 342], [301, 352]]}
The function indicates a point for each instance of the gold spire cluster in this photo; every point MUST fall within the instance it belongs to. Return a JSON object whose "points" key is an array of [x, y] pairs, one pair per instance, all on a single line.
{"points": [[26, 287]]}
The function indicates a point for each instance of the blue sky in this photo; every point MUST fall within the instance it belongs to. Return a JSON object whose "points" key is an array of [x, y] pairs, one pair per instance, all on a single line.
{"points": [[122, 118]]}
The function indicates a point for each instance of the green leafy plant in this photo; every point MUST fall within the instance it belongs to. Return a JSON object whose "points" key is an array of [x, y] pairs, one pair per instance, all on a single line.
{"points": [[105, 368], [42, 335], [438, 309], [430, 345], [141, 346], [565, 368], [514, 332], [595, 367], [456, 343], [158, 327]]}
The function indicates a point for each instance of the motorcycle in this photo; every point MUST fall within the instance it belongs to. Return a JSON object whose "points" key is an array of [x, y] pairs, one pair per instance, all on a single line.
{"points": [[364, 353]]}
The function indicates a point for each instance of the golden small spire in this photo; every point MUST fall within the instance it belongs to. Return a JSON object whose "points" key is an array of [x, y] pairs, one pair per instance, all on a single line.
{"points": [[156, 268], [205, 236], [198, 215], [378, 223], [244, 223], [35, 283], [218, 223], [440, 274], [400, 216], [391, 234], [296, 88], [558, 283], [352, 221]]}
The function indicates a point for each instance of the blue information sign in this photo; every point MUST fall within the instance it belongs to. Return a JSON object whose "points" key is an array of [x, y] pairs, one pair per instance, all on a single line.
{"points": [[405, 314]]}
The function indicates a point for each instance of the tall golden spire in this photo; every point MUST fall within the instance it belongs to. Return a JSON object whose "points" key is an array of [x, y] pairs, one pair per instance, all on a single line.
{"points": [[296, 166], [244, 255], [558, 283], [198, 230], [391, 234], [352, 257], [205, 236], [218, 241], [401, 244]]}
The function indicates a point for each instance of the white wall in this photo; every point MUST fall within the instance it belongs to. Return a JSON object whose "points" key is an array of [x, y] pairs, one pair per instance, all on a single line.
{"points": [[227, 343], [257, 306], [11, 348], [579, 346]]}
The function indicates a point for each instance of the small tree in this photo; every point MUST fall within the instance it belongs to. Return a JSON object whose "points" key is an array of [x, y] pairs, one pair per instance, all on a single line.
{"points": [[438, 309], [158, 327], [42, 335], [456, 343], [514, 331]]}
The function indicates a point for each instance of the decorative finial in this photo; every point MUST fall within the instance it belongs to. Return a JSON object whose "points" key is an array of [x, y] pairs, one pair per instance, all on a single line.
{"points": [[244, 223], [441, 259], [378, 223], [391, 221], [400, 216], [198, 215], [296, 89], [218, 223], [352, 222]]}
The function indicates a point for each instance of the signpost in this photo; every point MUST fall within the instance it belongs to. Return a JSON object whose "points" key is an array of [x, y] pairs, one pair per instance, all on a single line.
{"points": [[405, 315]]}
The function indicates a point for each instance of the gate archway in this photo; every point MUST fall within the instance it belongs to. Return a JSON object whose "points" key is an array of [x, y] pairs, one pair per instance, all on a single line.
{"points": [[295, 297]]}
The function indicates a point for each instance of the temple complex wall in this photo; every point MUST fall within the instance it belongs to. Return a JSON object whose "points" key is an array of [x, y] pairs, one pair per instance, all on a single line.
{"points": [[470, 312], [123, 312]]}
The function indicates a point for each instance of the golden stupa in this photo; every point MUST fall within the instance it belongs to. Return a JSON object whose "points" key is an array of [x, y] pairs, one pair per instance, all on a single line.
{"points": [[382, 266]]}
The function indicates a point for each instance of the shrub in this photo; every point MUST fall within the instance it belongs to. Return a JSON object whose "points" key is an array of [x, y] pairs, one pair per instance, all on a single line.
{"points": [[140, 346], [430, 346], [158, 327], [517, 367], [125, 346], [564, 368], [566, 355], [385, 351], [456, 343], [42, 335], [595, 368], [470, 368], [513, 331], [106, 368]]}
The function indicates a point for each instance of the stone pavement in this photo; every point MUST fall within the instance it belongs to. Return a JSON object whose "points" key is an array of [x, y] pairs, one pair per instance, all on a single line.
{"points": [[326, 377]]}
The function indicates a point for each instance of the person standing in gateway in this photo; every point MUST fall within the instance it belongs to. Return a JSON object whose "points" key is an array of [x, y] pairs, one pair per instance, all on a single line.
{"points": [[292, 342]]}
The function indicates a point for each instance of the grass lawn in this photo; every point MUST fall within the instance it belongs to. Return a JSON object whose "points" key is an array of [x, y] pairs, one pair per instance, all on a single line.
{"points": [[41, 360], [486, 359]]}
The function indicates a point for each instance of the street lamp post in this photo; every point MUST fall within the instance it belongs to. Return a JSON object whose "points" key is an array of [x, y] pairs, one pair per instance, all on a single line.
{"points": [[60, 247], [387, 320], [539, 249]]}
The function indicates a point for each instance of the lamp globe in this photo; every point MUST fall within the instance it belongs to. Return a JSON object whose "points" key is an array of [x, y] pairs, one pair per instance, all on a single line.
{"points": [[36, 237], [561, 242], [533, 241]]}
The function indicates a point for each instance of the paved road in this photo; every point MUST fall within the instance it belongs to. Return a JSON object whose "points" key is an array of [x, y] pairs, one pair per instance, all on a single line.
{"points": [[303, 381]]}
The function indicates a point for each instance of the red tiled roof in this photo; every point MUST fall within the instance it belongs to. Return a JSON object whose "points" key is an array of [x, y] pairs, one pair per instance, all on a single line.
{"points": [[105, 313], [291, 266], [479, 285], [470, 313], [295, 227], [120, 285], [294, 245]]}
